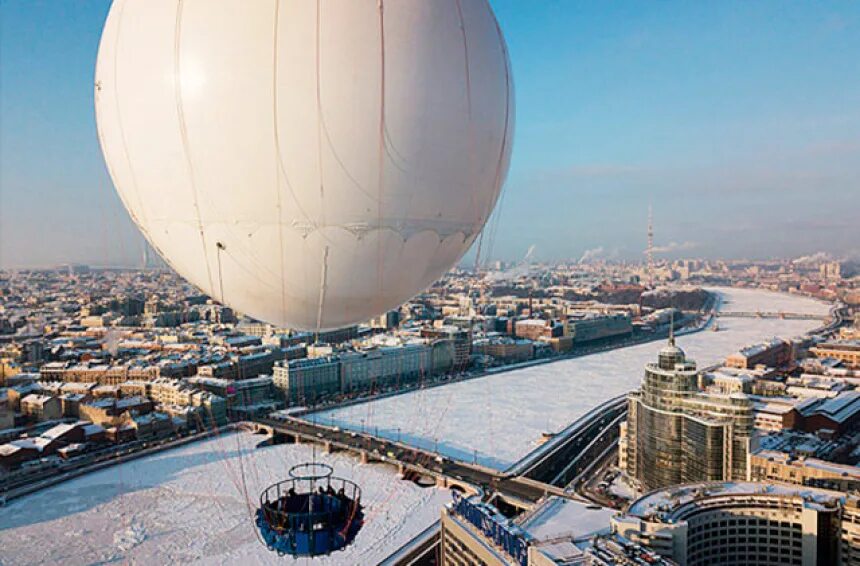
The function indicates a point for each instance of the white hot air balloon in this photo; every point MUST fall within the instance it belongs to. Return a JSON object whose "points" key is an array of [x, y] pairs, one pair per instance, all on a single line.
{"points": [[309, 163]]}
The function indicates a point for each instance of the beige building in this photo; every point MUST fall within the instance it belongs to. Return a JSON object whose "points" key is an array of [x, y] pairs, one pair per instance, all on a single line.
{"points": [[462, 546], [460, 339], [243, 392], [15, 394], [505, 349], [850, 332], [847, 351], [775, 352], [102, 374], [555, 531], [333, 373], [307, 379], [775, 466], [42, 407], [114, 412], [174, 396], [773, 414], [745, 523], [7, 415]]}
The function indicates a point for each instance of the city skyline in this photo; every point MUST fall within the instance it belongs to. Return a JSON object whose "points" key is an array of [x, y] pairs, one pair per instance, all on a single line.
{"points": [[425, 282], [612, 115]]}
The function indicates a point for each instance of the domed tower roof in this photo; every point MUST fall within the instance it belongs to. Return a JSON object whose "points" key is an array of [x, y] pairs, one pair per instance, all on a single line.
{"points": [[671, 354]]}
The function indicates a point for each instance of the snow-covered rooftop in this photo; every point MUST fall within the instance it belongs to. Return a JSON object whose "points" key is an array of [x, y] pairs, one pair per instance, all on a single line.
{"points": [[559, 517], [56, 432], [36, 443], [667, 501]]}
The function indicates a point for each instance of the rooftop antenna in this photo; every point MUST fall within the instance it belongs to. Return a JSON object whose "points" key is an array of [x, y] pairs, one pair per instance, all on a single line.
{"points": [[672, 328]]}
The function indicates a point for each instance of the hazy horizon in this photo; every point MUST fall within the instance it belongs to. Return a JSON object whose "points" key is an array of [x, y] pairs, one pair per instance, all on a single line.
{"points": [[739, 123]]}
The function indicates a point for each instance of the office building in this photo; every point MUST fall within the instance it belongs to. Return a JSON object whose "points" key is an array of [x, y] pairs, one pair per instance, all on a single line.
{"points": [[42, 407], [676, 433], [777, 466], [556, 531], [307, 379], [745, 523], [774, 352], [460, 338], [505, 349], [589, 326], [360, 370], [846, 351]]}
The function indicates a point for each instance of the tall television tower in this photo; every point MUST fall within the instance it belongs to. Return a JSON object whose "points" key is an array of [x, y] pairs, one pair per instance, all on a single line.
{"points": [[650, 251]]}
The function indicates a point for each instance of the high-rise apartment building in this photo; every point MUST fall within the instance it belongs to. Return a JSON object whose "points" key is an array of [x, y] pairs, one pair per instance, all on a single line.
{"points": [[676, 433]]}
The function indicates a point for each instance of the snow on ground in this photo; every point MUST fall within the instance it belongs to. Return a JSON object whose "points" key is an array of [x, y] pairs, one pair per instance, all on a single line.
{"points": [[187, 505], [502, 416]]}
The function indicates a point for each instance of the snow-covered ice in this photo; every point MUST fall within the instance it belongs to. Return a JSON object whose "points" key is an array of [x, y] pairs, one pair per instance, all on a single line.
{"points": [[188, 505], [502, 416], [748, 300]]}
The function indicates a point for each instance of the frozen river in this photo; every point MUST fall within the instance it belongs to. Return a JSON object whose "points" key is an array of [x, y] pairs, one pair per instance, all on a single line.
{"points": [[188, 506], [501, 417]]}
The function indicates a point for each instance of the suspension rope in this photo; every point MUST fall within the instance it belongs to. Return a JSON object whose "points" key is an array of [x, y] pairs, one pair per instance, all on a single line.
{"points": [[278, 157], [183, 130], [220, 247], [323, 289], [133, 211], [498, 178], [319, 115], [477, 215]]}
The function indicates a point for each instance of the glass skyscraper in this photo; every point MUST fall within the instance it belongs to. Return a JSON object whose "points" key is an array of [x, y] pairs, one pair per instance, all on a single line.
{"points": [[676, 433]]}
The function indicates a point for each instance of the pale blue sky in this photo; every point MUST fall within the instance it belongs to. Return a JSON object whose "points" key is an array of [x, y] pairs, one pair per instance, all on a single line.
{"points": [[740, 121]]}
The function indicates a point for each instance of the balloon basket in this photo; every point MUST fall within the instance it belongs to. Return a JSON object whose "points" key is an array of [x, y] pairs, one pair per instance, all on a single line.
{"points": [[312, 513]]}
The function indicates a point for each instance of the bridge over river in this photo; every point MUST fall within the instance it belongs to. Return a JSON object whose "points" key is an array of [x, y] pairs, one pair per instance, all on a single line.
{"points": [[546, 470], [770, 314]]}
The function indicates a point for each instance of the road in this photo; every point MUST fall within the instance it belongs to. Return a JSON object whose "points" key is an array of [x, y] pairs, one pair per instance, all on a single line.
{"points": [[566, 454], [415, 460]]}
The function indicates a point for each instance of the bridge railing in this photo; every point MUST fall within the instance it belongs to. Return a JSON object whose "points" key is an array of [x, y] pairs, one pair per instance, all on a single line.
{"points": [[535, 456], [596, 442], [770, 314], [414, 545]]}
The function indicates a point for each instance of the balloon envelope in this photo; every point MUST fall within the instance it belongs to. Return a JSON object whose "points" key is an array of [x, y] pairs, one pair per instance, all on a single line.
{"points": [[311, 164]]}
